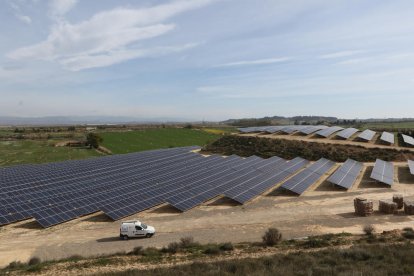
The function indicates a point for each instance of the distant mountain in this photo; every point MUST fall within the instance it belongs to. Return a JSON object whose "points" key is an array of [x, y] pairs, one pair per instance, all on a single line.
{"points": [[81, 120], [278, 120]]}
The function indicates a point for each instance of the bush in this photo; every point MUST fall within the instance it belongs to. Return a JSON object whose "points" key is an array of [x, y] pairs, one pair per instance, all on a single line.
{"points": [[15, 265], [272, 237], [408, 229], [34, 261], [212, 250], [369, 229], [228, 246], [186, 242], [408, 235], [137, 250], [173, 248], [315, 242]]}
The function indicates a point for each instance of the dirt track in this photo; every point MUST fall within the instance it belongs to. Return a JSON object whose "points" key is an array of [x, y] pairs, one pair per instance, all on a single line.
{"points": [[324, 209]]}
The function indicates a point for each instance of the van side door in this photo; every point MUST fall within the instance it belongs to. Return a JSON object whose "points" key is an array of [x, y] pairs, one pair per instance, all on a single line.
{"points": [[139, 231]]}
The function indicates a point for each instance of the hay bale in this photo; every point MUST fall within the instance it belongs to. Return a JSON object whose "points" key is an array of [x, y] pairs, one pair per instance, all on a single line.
{"points": [[399, 199], [409, 207], [363, 207], [388, 207]]}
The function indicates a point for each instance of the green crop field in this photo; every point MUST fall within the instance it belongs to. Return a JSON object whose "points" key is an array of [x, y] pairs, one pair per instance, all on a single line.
{"points": [[132, 141], [34, 152]]}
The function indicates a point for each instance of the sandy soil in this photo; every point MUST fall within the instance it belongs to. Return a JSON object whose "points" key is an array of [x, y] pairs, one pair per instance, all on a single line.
{"points": [[323, 209]]}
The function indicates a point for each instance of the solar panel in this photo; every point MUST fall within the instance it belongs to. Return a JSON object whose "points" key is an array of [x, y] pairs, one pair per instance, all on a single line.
{"points": [[387, 137], [383, 172], [408, 139], [300, 182], [347, 174], [347, 133], [251, 188], [311, 129], [328, 131], [411, 166], [367, 135]]}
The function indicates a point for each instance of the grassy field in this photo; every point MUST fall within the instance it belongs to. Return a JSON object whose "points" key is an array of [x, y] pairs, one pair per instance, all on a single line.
{"points": [[133, 141], [26, 151]]}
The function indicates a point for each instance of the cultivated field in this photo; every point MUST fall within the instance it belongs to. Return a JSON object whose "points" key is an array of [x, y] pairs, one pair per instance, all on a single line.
{"points": [[42, 150], [133, 141], [35, 152]]}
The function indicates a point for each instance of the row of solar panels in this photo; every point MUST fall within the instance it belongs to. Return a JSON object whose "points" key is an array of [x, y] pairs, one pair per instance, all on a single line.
{"points": [[122, 185], [324, 131], [127, 184]]}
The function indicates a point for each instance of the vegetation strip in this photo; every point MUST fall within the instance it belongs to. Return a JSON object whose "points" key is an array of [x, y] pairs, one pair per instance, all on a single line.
{"points": [[389, 252], [289, 149]]}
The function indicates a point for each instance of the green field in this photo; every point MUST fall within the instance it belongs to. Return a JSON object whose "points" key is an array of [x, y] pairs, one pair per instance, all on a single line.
{"points": [[132, 141], [33, 152]]}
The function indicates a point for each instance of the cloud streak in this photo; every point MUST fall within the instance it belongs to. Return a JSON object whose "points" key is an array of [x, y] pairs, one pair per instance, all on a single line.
{"points": [[106, 38], [255, 62]]}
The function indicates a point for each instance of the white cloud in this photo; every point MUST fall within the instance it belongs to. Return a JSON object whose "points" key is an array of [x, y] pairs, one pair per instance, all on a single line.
{"points": [[24, 18], [106, 36], [61, 7], [18, 12], [255, 62], [92, 61], [340, 54]]}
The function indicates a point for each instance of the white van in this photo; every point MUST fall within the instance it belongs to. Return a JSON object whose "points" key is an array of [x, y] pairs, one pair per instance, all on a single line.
{"points": [[135, 228]]}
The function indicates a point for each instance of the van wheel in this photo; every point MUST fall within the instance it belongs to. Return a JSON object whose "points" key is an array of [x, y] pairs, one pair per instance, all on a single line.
{"points": [[148, 235], [125, 237]]}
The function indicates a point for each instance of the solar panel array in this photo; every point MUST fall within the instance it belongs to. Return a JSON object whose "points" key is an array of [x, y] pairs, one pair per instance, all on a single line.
{"points": [[411, 166], [300, 182], [408, 140], [329, 131], [383, 172], [387, 137], [122, 185], [347, 133], [288, 129], [367, 135], [347, 174], [311, 129]]}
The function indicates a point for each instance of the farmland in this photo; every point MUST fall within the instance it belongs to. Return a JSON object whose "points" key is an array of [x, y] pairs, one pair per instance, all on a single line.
{"points": [[133, 141], [34, 152]]}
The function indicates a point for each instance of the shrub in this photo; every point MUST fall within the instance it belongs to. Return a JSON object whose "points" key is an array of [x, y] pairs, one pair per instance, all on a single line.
{"points": [[137, 250], [408, 235], [408, 229], [15, 265], [227, 246], [34, 261], [212, 249], [173, 248], [315, 242], [272, 237], [186, 242], [369, 229]]}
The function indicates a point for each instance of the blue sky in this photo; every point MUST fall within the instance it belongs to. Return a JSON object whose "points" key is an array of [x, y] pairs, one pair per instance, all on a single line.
{"points": [[207, 59]]}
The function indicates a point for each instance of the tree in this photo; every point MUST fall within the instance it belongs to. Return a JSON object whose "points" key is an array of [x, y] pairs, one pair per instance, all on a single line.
{"points": [[93, 140]]}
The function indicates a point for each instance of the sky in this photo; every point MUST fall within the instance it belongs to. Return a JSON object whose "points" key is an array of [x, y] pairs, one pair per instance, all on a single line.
{"points": [[207, 59]]}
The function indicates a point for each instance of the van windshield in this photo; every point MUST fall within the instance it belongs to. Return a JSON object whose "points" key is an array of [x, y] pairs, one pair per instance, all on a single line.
{"points": [[144, 226]]}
